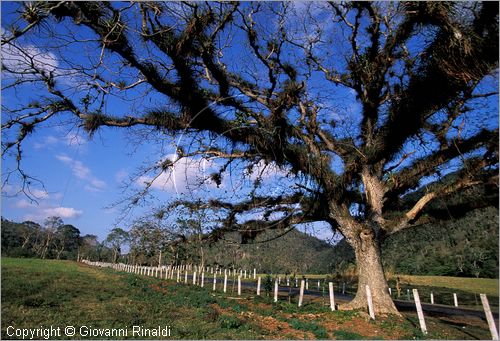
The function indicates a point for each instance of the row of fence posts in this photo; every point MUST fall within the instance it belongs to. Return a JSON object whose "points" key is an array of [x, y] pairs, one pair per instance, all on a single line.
{"points": [[175, 271], [455, 297], [420, 313]]}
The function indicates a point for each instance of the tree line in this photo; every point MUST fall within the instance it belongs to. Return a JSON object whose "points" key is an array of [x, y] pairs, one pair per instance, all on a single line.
{"points": [[51, 240], [466, 246]]}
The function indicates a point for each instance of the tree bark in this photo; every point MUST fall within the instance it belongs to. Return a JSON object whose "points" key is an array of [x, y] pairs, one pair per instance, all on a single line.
{"points": [[59, 252], [366, 244], [370, 272]]}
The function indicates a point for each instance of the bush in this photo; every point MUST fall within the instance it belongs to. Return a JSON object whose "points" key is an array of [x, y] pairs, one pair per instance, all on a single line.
{"points": [[268, 284]]}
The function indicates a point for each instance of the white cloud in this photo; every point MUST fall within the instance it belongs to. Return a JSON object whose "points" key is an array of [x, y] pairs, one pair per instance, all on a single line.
{"points": [[39, 194], [71, 139], [83, 172], [121, 175], [186, 175], [10, 190], [95, 185], [23, 203], [46, 142], [63, 212], [39, 214], [266, 171], [14, 190], [27, 58], [74, 138]]}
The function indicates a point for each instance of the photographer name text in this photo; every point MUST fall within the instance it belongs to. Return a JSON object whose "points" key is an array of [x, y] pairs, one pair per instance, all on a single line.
{"points": [[47, 333]]}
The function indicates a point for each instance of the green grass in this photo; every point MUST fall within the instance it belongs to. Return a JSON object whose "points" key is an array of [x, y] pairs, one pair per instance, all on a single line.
{"points": [[488, 286], [467, 290], [313, 327], [60, 293], [347, 335]]}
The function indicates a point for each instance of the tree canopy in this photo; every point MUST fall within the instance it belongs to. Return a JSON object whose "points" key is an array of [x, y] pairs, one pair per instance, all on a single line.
{"points": [[358, 105]]}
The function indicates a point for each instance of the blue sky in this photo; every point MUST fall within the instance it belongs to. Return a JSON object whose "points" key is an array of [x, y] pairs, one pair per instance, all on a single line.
{"points": [[83, 177]]}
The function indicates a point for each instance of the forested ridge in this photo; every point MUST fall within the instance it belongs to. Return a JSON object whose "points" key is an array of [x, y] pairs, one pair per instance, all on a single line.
{"points": [[466, 246]]}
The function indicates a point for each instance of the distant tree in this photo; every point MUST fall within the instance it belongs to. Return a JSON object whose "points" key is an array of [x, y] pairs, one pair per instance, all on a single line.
{"points": [[67, 238], [192, 231], [116, 239], [263, 84], [29, 230], [148, 240], [51, 224], [89, 247]]}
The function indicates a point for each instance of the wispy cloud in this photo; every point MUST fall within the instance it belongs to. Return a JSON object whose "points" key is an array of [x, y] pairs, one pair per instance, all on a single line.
{"points": [[121, 175], [46, 205], [186, 175], [46, 142], [23, 203], [70, 139], [26, 58], [63, 212], [83, 172], [39, 214], [75, 138]]}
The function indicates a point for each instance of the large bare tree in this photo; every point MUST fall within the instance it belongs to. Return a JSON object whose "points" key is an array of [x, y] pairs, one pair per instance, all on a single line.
{"points": [[358, 104]]}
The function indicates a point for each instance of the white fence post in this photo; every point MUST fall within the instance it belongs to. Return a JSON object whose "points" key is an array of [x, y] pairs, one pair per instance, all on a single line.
{"points": [[275, 291], [432, 297], [194, 278], [225, 283], [215, 281], [332, 297], [239, 285], [420, 313], [258, 286], [489, 317], [301, 294], [455, 299], [370, 302], [254, 273], [202, 279]]}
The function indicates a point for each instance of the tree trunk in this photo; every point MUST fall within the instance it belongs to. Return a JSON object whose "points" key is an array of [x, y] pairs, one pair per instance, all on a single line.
{"points": [[370, 272], [59, 253], [25, 242]]}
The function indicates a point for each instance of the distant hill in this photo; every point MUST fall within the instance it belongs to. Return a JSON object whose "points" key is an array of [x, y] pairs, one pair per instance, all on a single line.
{"points": [[467, 246], [294, 252]]}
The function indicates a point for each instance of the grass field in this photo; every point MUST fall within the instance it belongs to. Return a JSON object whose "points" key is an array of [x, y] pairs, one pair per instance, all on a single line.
{"points": [[486, 286], [61, 293]]}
